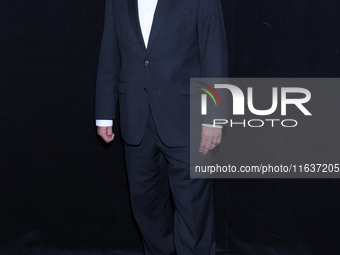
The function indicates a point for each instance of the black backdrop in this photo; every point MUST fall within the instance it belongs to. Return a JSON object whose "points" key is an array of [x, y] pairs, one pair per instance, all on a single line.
{"points": [[64, 192]]}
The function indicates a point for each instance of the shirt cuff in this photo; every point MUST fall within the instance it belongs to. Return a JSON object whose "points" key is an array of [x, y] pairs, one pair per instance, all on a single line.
{"points": [[210, 125], [104, 123]]}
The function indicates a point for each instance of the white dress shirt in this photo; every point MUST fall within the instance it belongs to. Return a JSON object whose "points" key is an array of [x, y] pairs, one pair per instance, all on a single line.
{"points": [[146, 11]]}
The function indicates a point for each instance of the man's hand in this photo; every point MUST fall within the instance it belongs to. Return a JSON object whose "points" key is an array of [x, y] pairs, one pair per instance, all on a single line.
{"points": [[211, 137], [105, 133]]}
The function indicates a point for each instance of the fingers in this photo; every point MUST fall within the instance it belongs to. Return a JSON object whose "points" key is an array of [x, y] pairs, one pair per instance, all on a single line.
{"points": [[110, 135], [211, 137], [205, 146], [105, 133]]}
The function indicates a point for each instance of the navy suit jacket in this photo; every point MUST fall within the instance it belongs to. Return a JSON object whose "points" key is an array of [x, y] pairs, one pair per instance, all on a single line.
{"points": [[187, 40]]}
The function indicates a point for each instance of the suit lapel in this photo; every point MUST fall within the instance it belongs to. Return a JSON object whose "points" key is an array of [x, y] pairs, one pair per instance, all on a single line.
{"points": [[160, 13], [133, 12]]}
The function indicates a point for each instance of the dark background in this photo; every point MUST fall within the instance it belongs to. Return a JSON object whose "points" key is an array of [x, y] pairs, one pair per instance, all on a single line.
{"points": [[62, 191]]}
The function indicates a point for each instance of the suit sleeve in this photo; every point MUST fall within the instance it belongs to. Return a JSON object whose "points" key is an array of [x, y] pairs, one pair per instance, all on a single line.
{"points": [[213, 53], [108, 69]]}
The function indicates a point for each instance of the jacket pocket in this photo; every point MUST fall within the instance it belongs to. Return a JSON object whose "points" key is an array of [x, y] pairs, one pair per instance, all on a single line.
{"points": [[175, 15], [184, 89]]}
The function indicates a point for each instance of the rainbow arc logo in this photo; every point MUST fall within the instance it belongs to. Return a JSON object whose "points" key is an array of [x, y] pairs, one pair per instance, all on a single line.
{"points": [[209, 93]]}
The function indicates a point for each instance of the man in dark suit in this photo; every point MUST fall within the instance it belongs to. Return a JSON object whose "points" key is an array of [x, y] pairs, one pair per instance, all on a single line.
{"points": [[150, 49]]}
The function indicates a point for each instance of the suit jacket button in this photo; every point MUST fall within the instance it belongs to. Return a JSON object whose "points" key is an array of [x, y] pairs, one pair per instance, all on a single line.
{"points": [[147, 62]]}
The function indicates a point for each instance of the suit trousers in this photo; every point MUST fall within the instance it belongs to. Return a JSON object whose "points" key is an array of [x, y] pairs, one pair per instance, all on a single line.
{"points": [[173, 212]]}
